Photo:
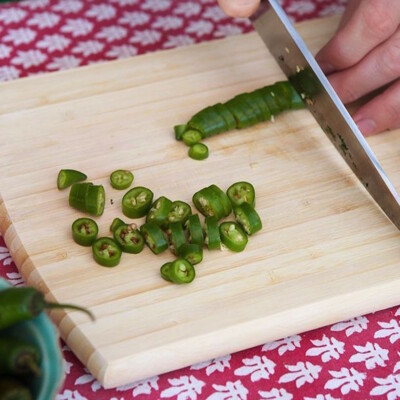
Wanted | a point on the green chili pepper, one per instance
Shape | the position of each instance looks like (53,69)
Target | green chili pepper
(24,303)
(77,195)
(233,236)
(198,151)
(224,199)
(13,389)
(121,179)
(208,122)
(191,252)
(106,252)
(18,357)
(270,100)
(137,202)
(244,115)
(208,202)
(224,112)
(154,237)
(283,94)
(258,100)
(164,271)
(179,130)
(117,222)
(159,211)
(195,230)
(296,102)
(177,236)
(181,271)
(191,137)
(129,239)
(250,106)
(179,212)
(248,218)
(66,177)
(212,235)
(241,192)
(84,231)
(95,200)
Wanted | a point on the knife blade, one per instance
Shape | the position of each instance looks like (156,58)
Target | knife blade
(301,68)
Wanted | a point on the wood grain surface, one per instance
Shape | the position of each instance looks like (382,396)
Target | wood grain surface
(326,252)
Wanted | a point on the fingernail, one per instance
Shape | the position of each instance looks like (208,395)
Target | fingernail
(326,67)
(366,126)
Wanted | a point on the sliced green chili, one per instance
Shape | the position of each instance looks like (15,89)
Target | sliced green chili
(224,199)
(233,236)
(106,252)
(18,357)
(179,130)
(248,218)
(12,389)
(137,202)
(296,102)
(66,177)
(129,239)
(179,212)
(224,112)
(191,137)
(77,195)
(117,222)
(181,271)
(198,151)
(154,237)
(84,231)
(212,235)
(159,211)
(241,192)
(283,94)
(177,236)
(208,202)
(95,200)
(195,230)
(191,252)
(121,179)
(164,271)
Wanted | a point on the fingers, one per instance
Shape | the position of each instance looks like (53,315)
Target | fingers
(371,23)
(378,68)
(381,113)
(239,8)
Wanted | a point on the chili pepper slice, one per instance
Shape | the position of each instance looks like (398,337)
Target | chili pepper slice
(117,222)
(181,271)
(208,203)
(270,100)
(212,236)
(191,252)
(12,389)
(164,271)
(177,236)
(250,105)
(129,239)
(208,122)
(233,236)
(223,111)
(19,304)
(66,177)
(179,212)
(95,200)
(106,252)
(283,94)
(244,116)
(195,230)
(159,211)
(18,357)
(248,218)
(296,102)
(258,100)
(191,137)
(224,199)
(154,237)
(84,231)
(137,202)
(179,129)
(198,151)
(77,195)
(241,192)
(121,179)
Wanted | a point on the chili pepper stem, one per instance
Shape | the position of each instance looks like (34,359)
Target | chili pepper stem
(71,307)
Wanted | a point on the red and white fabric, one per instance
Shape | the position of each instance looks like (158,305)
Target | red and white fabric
(356,359)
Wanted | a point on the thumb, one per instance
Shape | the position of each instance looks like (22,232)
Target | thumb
(239,8)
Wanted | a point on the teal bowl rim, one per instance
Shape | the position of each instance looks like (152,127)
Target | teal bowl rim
(47,338)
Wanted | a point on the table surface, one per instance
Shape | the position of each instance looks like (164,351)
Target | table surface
(352,359)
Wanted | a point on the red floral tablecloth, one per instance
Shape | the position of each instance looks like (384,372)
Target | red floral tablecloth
(356,359)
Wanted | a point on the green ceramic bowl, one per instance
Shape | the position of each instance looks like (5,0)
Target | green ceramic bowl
(41,332)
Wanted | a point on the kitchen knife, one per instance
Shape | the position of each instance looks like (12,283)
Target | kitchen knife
(301,68)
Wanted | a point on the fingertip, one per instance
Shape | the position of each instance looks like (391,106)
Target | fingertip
(239,8)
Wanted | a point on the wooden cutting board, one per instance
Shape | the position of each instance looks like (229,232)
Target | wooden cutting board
(326,252)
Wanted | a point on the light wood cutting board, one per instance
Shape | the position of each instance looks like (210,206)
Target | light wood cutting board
(326,252)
